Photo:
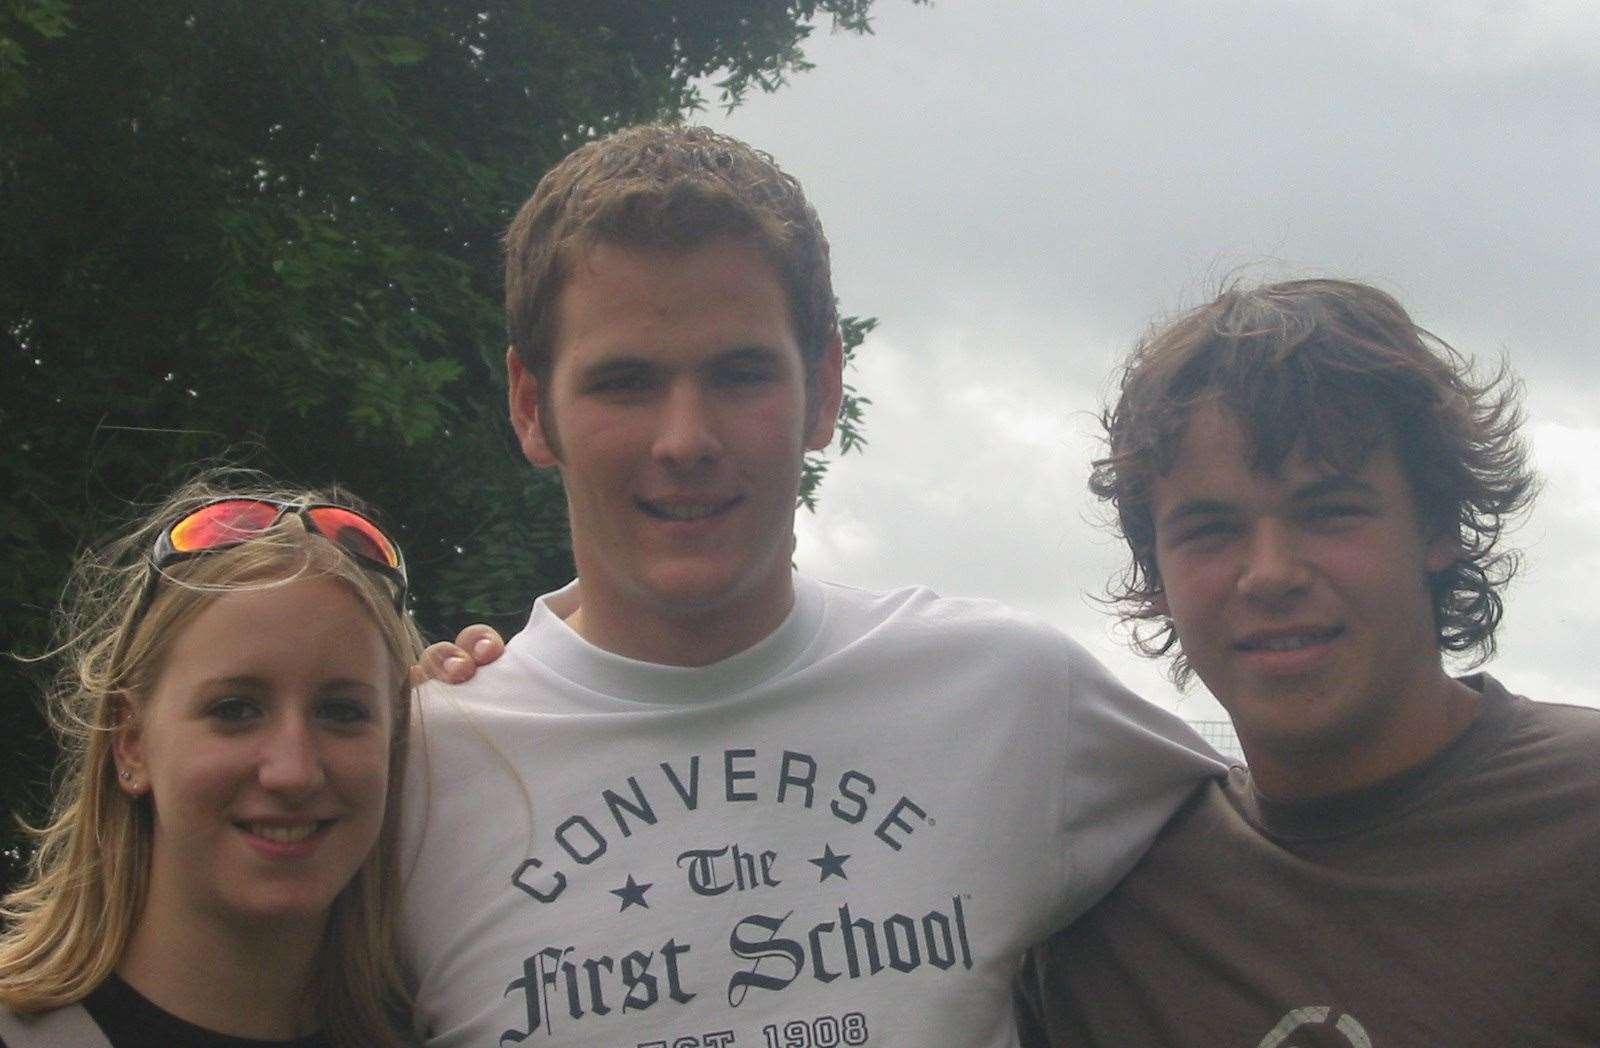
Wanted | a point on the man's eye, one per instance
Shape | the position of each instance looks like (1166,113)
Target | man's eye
(1335,511)
(744,376)
(1209,530)
(618,384)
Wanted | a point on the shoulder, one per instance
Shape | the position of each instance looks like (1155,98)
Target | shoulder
(977,647)
(1540,723)
(1554,737)
(1557,720)
(916,613)
(1532,767)
(500,686)
(71,1024)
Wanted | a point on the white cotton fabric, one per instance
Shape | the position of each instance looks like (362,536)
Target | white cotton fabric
(843,835)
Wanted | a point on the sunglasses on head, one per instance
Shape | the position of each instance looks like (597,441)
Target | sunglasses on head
(230,522)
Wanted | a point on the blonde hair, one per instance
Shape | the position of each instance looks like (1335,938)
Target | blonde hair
(71,920)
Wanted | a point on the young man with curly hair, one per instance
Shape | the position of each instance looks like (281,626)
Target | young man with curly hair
(1312,490)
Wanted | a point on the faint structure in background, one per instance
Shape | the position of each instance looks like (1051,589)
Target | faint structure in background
(1220,736)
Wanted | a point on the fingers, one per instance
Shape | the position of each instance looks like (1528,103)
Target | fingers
(455,663)
(443,661)
(484,644)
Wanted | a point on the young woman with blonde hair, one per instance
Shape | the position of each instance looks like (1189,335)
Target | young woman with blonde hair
(219,866)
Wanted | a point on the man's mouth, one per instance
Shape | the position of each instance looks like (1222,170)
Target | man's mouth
(1294,640)
(680,511)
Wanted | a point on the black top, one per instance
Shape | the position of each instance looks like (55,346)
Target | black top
(130,1020)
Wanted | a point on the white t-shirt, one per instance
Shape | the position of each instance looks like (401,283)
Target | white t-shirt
(844,835)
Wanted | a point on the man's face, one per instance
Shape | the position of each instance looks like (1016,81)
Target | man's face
(1301,600)
(678,411)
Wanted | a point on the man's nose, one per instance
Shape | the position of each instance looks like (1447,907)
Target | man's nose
(686,433)
(1273,568)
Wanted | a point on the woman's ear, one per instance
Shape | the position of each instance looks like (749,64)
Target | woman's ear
(127,748)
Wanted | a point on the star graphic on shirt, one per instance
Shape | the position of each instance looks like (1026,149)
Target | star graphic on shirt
(830,864)
(632,893)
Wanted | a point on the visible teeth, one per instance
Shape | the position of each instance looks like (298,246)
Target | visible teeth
(283,834)
(686,512)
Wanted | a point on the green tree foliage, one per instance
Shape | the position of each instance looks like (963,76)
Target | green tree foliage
(269,231)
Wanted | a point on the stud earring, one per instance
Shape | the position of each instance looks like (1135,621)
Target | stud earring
(127,776)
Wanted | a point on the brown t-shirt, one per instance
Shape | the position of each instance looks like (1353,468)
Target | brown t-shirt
(1455,906)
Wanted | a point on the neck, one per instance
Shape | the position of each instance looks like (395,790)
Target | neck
(246,982)
(1411,733)
(669,638)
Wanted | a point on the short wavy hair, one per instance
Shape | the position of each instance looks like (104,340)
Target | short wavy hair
(662,186)
(1337,368)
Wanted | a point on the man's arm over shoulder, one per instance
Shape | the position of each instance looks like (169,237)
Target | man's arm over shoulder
(1127,767)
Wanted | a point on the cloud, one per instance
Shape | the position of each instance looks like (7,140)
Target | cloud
(1548,628)
(1468,38)
(1017,189)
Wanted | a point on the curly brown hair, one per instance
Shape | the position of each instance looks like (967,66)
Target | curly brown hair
(1338,369)
(662,186)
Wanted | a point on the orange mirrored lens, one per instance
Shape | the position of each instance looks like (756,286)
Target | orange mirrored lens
(355,533)
(221,524)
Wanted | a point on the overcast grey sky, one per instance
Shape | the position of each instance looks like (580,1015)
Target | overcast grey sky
(1017,189)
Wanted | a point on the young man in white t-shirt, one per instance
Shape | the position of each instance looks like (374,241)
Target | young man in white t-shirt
(703,800)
